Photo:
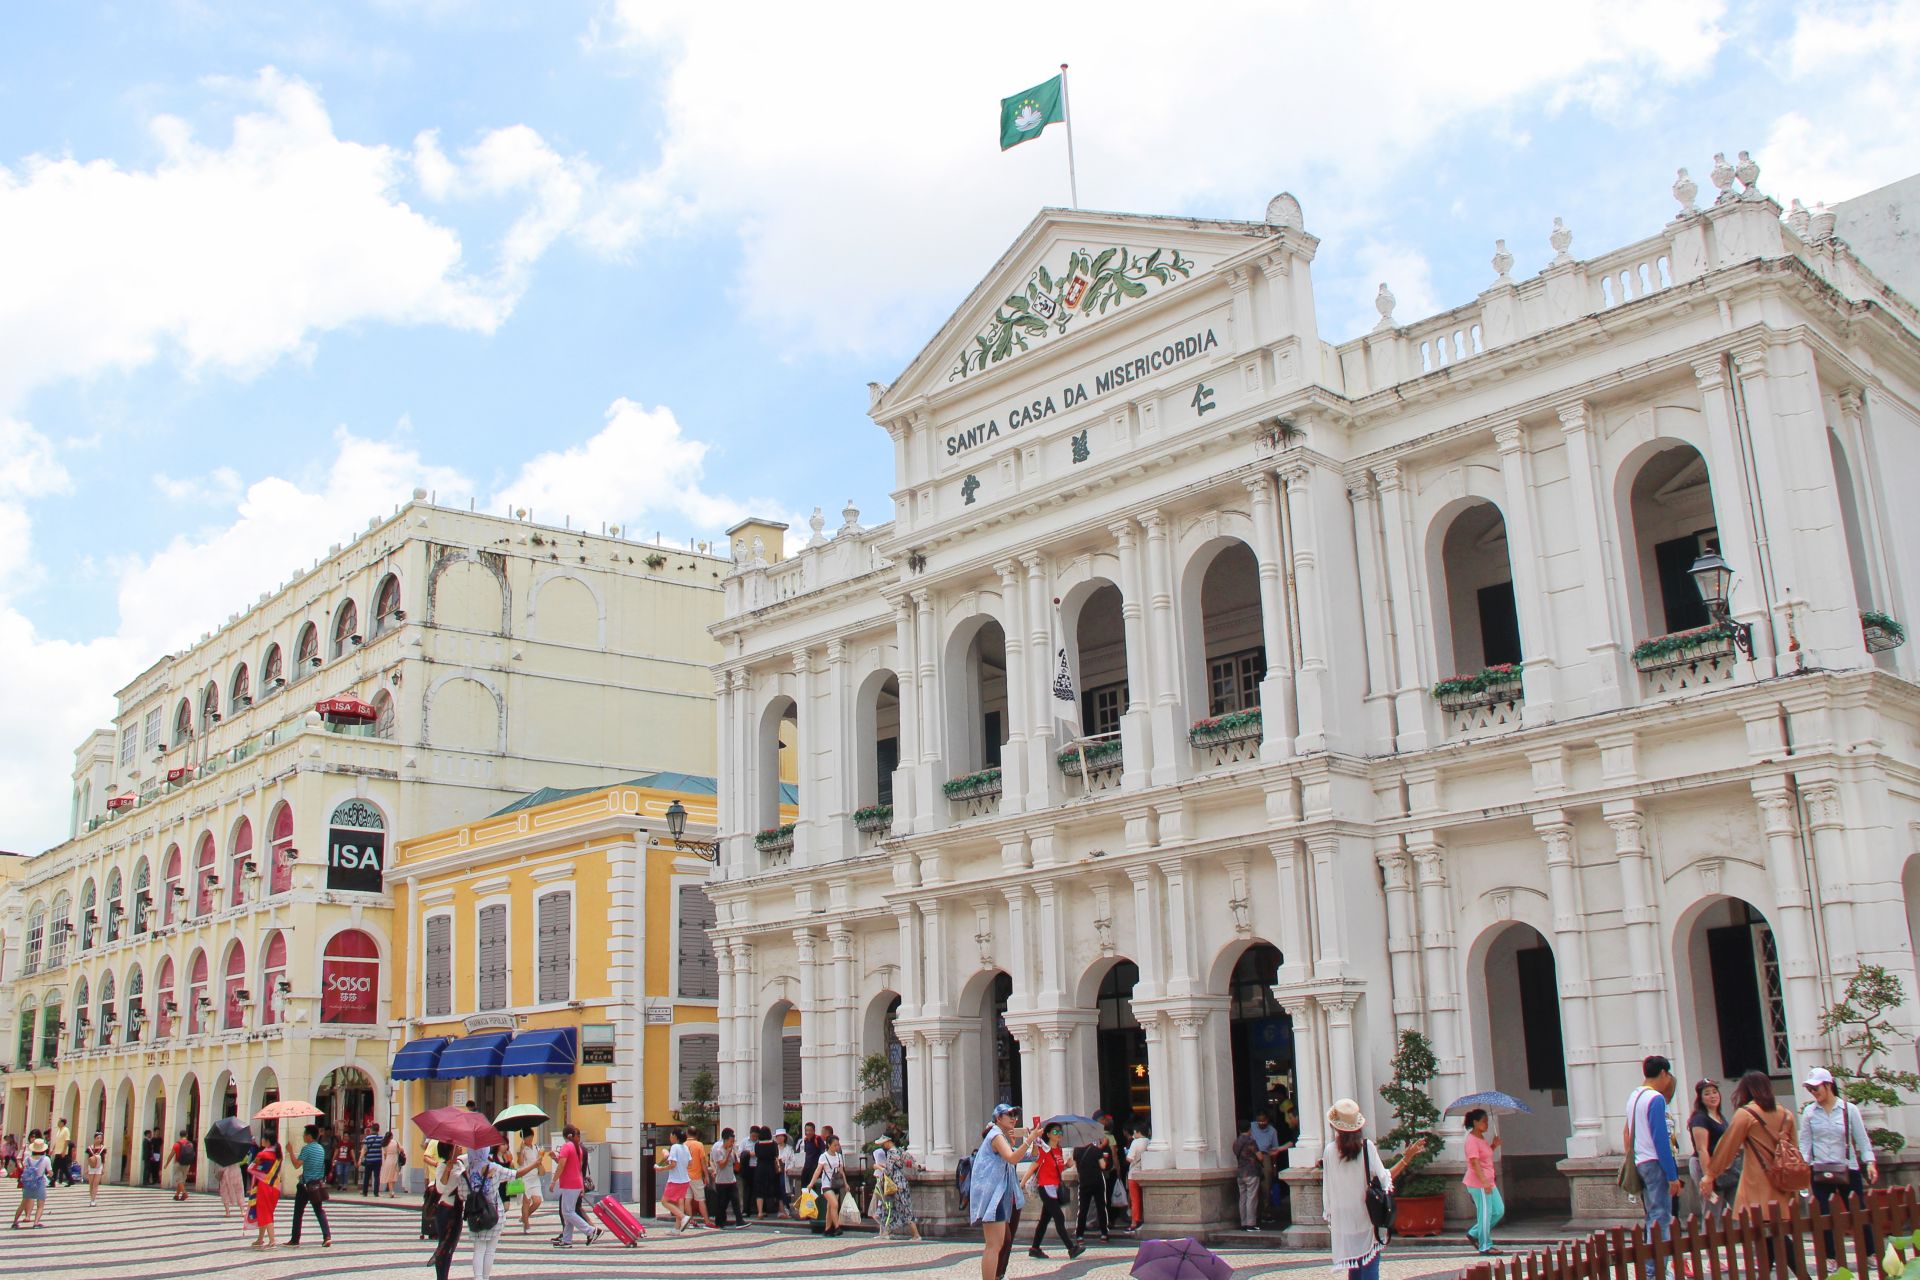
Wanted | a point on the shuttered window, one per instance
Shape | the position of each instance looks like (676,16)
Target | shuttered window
(439,966)
(697,1054)
(699,969)
(790,1070)
(492,957)
(555,959)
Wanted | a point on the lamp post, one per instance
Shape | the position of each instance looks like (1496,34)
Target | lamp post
(1713,576)
(677,828)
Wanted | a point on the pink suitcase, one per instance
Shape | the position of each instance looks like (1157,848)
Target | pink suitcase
(618,1219)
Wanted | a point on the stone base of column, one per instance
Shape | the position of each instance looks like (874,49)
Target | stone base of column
(1309,1229)
(1189,1202)
(1597,1200)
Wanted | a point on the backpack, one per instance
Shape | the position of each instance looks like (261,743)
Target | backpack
(1379,1200)
(963,1178)
(33,1178)
(1786,1169)
(479,1211)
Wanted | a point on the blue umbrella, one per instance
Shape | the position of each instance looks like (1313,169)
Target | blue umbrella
(1493,1102)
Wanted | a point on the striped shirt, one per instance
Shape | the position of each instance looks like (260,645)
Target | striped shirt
(370,1148)
(313,1163)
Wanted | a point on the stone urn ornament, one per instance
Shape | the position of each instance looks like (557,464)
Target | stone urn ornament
(1722,177)
(1821,224)
(1383,303)
(1684,190)
(1502,260)
(1560,240)
(1748,172)
(1799,219)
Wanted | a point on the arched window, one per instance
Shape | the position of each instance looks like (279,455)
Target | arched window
(81,1010)
(50,1022)
(383,714)
(164,1008)
(346,628)
(89,914)
(387,613)
(116,906)
(239,861)
(136,1007)
(104,1020)
(350,978)
(23,1047)
(36,937)
(182,723)
(272,671)
(199,1003)
(240,691)
(60,924)
(142,905)
(171,890)
(306,653)
(273,972)
(233,990)
(205,877)
(209,707)
(280,842)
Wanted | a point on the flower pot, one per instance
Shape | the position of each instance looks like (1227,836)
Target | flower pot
(1419,1215)
(1879,639)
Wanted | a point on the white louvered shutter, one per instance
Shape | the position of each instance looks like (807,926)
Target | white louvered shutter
(439,966)
(555,948)
(699,968)
(492,954)
(697,1054)
(790,1070)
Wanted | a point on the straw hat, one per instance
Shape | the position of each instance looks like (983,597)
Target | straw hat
(1345,1116)
(38,1148)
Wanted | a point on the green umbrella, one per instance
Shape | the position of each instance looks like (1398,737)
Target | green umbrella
(522,1117)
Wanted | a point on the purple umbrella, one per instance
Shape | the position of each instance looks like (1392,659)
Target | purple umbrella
(1179,1260)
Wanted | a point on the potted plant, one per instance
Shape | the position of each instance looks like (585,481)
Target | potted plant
(972,786)
(1234,726)
(874,819)
(1105,754)
(775,840)
(1683,647)
(1419,1199)
(1859,1020)
(1498,683)
(1881,630)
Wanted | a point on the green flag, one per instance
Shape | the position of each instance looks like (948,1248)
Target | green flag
(1024,115)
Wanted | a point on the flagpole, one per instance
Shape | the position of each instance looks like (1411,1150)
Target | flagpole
(1066,109)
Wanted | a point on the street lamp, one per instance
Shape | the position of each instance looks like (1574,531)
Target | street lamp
(1713,576)
(677,828)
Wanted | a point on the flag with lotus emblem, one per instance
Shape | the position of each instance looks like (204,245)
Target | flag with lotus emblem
(1024,115)
(1066,705)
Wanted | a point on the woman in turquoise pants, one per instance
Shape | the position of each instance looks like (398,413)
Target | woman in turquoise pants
(1482,1185)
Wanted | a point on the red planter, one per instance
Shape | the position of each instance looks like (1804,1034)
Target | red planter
(1419,1215)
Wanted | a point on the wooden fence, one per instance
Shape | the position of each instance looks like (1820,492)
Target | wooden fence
(1793,1243)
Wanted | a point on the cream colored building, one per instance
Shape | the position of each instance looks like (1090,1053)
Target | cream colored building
(217,930)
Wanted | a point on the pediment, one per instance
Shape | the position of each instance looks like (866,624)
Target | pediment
(1065,275)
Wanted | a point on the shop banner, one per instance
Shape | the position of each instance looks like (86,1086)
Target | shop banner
(349,989)
(355,859)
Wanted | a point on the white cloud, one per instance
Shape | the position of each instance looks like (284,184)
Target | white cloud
(219,487)
(1855,116)
(868,186)
(1403,269)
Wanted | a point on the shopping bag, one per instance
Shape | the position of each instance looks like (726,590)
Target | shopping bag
(849,1212)
(809,1205)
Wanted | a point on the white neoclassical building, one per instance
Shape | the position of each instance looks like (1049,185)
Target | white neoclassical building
(1400,704)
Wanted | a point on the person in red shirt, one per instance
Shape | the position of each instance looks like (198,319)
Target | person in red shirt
(1048,1164)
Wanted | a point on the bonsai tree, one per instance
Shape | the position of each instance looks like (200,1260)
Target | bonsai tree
(1859,1018)
(699,1107)
(881,1110)
(1414,1114)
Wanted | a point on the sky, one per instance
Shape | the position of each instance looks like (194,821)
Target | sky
(266,267)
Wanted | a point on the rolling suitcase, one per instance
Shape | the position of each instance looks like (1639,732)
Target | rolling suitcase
(619,1220)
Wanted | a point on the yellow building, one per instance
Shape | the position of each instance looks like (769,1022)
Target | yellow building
(556,953)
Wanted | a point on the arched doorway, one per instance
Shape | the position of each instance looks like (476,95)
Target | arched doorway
(123,1149)
(156,1120)
(96,1116)
(345,1097)
(1000,1068)
(1121,1048)
(977,721)
(1733,1005)
(1260,1039)
(775,765)
(190,1117)
(1670,511)
(780,1080)
(1518,1046)
(1225,632)
(882,1037)
(877,711)
(265,1091)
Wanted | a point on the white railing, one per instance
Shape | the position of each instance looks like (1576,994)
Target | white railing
(1446,339)
(1625,275)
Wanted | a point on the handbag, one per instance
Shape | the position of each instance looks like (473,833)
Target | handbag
(1379,1198)
(317,1191)
(1834,1173)
(1629,1178)
(809,1205)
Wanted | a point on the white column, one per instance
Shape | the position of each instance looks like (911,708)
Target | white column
(1313,689)
(1059,1041)
(905,667)
(1172,756)
(930,804)
(843,1080)
(1329,905)
(922,1106)
(1792,916)
(1374,613)
(839,790)
(1832,873)
(1578,1032)
(1192,1136)
(1396,872)
(1180,929)
(812,1025)
(1405,613)
(1014,764)
(1018,947)
(1136,731)
(740,855)
(1600,592)
(1523,560)
(1734,522)
(1436,950)
(1160,1082)
(1279,710)
(1031,1083)
(1642,920)
(941,1043)
(1308,1080)
(1043,782)
(1340,1046)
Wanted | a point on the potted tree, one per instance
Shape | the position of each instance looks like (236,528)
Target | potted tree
(1419,1199)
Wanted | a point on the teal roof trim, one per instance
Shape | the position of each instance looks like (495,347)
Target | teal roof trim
(692,784)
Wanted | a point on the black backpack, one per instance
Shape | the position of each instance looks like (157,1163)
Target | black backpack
(1379,1201)
(963,1179)
(480,1213)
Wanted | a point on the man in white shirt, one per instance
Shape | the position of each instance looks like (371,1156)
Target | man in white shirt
(679,1183)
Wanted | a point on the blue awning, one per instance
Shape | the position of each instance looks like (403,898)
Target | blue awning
(541,1053)
(473,1056)
(417,1058)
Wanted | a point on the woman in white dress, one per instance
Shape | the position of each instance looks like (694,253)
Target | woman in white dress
(1347,1165)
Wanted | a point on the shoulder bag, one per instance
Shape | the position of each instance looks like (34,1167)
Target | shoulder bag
(1379,1199)
(1831,1173)
(1786,1168)
(1629,1176)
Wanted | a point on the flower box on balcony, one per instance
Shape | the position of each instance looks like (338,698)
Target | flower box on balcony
(1683,647)
(874,819)
(1883,632)
(1217,731)
(775,840)
(1498,683)
(1100,756)
(973,786)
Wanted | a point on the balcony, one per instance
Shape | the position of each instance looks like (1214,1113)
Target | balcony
(1098,763)
(975,795)
(1229,739)
(1688,660)
(1486,701)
